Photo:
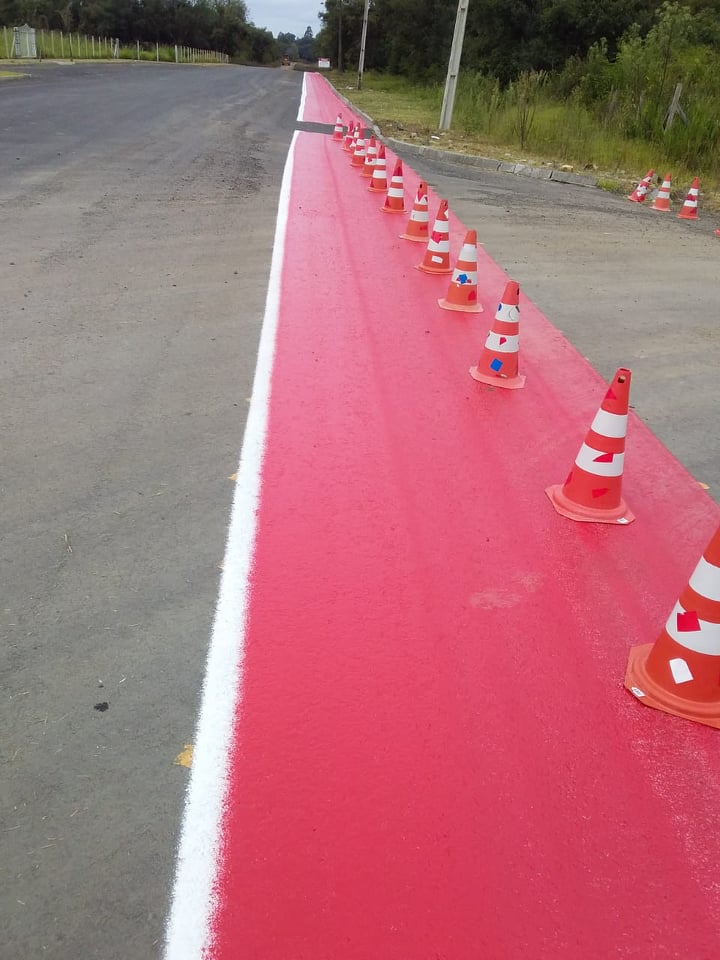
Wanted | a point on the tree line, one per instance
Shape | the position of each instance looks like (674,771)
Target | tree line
(503,37)
(203,24)
(579,78)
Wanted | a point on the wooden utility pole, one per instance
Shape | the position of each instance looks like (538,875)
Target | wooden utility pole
(454,66)
(361,65)
(339,63)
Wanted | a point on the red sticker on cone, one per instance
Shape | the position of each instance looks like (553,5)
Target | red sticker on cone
(599,491)
(688,622)
(604,458)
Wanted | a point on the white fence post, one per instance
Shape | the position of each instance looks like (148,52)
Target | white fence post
(137,47)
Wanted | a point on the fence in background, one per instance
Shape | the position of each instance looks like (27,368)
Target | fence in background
(55,44)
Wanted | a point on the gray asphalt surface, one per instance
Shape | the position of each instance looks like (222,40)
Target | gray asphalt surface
(137,207)
(137,211)
(627,285)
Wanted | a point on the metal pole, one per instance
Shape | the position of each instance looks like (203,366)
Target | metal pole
(361,64)
(453,66)
(340,6)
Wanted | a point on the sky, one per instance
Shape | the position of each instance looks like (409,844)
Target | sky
(285,16)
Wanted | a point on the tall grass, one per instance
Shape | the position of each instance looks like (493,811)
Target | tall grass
(598,111)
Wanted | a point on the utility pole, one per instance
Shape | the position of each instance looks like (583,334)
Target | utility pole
(454,66)
(340,6)
(361,65)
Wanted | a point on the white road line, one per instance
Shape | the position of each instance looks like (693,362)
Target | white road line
(188,932)
(303,97)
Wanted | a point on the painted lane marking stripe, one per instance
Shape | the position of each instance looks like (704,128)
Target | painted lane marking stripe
(303,98)
(193,900)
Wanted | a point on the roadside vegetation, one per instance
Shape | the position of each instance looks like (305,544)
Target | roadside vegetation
(220,25)
(605,108)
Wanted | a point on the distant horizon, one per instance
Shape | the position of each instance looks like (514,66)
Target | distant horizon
(285,16)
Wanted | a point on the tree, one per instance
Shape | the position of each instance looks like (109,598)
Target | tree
(306,45)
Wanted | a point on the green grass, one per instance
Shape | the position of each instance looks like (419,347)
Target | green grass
(486,120)
(51,45)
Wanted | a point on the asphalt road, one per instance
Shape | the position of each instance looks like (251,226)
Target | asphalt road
(137,210)
(628,286)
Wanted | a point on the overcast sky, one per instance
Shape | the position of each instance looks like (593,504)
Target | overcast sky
(285,16)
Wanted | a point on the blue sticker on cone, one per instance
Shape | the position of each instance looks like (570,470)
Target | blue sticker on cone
(496,364)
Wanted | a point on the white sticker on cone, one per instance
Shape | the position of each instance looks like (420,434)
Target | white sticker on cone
(680,670)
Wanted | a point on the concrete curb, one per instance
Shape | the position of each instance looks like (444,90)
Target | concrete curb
(469,160)
(486,163)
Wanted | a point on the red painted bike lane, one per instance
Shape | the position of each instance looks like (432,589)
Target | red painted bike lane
(433,755)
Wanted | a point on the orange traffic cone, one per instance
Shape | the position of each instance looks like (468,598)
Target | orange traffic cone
(662,200)
(378,184)
(417,225)
(437,255)
(462,292)
(395,199)
(680,672)
(370,157)
(593,489)
(640,192)
(498,363)
(688,211)
(350,137)
(338,131)
(717,233)
(358,157)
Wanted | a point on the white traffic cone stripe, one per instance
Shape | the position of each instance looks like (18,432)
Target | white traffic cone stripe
(499,343)
(706,580)
(587,459)
(395,191)
(419,216)
(468,254)
(696,634)
(507,313)
(610,424)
